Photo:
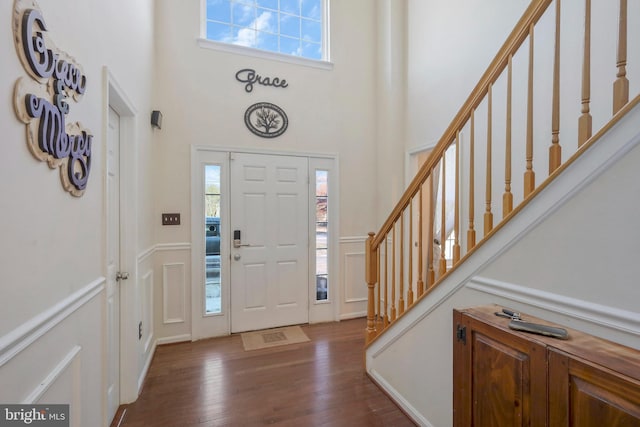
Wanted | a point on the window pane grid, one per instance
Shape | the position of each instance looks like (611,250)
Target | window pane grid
(322,235)
(292,27)
(212,196)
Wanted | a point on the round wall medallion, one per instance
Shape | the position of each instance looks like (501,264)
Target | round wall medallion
(266,120)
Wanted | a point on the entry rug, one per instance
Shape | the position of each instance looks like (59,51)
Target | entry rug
(273,338)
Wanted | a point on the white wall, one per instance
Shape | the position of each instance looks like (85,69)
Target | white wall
(391,81)
(329,111)
(587,248)
(53,244)
(450,44)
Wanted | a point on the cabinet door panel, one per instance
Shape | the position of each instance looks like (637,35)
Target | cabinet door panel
(500,384)
(497,376)
(594,396)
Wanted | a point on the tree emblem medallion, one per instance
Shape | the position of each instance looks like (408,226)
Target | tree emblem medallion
(266,120)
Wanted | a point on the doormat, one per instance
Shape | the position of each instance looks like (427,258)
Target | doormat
(273,338)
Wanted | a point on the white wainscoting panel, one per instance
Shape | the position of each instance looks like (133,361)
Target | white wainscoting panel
(173,283)
(353,287)
(20,338)
(62,385)
(44,391)
(356,287)
(146,309)
(58,357)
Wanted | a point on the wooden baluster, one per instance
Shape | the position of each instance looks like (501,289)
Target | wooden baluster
(380,323)
(471,233)
(387,317)
(420,242)
(507,197)
(621,85)
(431,274)
(555,151)
(442,268)
(371,275)
(488,215)
(585,122)
(456,212)
(529,175)
(401,276)
(393,274)
(410,281)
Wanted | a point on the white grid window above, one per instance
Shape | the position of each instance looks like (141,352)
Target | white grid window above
(290,27)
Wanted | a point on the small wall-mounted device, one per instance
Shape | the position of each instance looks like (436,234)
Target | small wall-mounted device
(156,119)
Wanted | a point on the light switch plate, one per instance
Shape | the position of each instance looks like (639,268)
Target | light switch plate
(170,219)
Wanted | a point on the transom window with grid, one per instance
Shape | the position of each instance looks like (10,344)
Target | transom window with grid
(292,27)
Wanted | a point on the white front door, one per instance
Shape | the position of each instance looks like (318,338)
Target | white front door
(270,241)
(113,265)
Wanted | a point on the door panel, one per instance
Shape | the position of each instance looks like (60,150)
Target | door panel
(269,272)
(585,394)
(113,264)
(497,376)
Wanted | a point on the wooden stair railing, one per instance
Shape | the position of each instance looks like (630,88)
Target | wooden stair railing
(397,255)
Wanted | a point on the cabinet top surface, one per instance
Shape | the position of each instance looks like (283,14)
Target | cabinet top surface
(606,353)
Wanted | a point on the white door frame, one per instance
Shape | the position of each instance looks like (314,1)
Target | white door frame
(411,165)
(116,98)
(112,150)
(318,312)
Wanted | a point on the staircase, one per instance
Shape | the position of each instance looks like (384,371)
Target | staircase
(484,222)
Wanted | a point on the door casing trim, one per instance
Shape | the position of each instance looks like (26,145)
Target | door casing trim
(196,217)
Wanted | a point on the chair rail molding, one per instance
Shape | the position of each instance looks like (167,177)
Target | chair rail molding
(26,334)
(598,314)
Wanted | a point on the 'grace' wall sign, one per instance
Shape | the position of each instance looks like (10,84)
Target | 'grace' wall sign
(41,100)
(266,120)
(250,77)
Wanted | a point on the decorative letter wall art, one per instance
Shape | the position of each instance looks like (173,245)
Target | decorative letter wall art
(250,77)
(266,120)
(41,100)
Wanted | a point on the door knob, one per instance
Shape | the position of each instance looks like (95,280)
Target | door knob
(121,276)
(237,257)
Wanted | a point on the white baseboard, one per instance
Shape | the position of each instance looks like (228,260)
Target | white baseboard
(355,315)
(173,339)
(399,400)
(598,314)
(145,368)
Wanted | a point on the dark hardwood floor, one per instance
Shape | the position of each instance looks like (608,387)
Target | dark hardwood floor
(215,382)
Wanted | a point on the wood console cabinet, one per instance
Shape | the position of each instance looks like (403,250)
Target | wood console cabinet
(503,377)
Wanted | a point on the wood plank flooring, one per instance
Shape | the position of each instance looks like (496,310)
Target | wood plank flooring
(216,383)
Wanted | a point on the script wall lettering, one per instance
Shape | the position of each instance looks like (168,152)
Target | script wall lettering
(249,77)
(42,100)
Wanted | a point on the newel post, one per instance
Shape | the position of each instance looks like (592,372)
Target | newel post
(371,275)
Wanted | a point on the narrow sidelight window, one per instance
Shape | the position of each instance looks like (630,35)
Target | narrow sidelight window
(322,209)
(212,239)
